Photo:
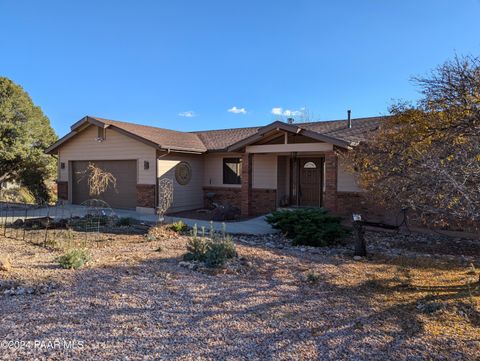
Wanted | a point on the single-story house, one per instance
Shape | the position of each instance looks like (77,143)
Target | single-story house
(256,169)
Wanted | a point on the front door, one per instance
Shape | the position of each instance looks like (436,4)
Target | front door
(310,182)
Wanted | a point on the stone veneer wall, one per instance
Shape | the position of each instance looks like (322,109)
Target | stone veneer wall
(146,195)
(62,190)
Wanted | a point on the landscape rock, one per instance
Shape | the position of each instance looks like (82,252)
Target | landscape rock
(5,264)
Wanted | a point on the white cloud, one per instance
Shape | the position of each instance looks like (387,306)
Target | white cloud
(236,110)
(277,111)
(189,114)
(287,112)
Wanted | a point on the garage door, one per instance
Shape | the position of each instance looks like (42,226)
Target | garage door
(124,195)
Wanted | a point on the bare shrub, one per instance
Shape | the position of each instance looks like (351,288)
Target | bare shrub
(98,179)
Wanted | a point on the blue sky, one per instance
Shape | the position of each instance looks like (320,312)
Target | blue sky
(153,62)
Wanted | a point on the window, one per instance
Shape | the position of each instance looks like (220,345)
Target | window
(310,165)
(232,170)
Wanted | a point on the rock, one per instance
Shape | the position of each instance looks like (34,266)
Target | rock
(5,264)
(18,223)
(357,258)
(20,291)
(189,265)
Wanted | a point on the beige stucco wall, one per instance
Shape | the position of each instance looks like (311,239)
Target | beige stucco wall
(116,146)
(264,171)
(189,196)
(213,171)
(346,181)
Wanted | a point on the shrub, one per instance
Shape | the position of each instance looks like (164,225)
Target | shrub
(124,221)
(308,226)
(196,249)
(219,251)
(179,227)
(312,276)
(73,259)
(214,252)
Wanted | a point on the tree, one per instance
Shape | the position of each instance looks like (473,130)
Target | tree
(25,132)
(427,156)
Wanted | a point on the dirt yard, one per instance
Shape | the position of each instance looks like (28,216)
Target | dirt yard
(414,298)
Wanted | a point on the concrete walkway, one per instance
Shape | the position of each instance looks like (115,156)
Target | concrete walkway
(256,226)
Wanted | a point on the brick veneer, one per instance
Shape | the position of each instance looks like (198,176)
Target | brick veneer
(330,200)
(62,190)
(223,196)
(146,195)
(263,201)
(246,192)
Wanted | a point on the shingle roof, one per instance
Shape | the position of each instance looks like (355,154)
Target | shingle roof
(361,130)
(216,140)
(220,140)
(165,138)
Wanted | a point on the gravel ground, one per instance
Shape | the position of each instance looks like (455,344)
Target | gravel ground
(404,302)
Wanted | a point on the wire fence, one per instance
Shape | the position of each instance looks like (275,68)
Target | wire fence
(49,225)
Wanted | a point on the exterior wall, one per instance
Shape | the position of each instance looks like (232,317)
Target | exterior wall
(283,179)
(263,201)
(146,195)
(264,171)
(213,169)
(346,180)
(223,196)
(116,146)
(62,190)
(189,196)
(331,173)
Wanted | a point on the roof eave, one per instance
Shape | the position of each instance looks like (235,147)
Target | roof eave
(277,125)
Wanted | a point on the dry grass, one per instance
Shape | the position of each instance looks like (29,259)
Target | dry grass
(134,301)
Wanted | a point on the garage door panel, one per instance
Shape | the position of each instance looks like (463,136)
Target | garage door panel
(123,195)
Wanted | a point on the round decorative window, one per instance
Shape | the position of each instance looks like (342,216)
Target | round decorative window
(310,165)
(183,173)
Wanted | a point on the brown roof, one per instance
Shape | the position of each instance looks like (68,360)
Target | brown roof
(361,130)
(164,138)
(220,140)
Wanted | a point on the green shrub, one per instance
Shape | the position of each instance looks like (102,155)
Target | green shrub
(196,249)
(214,252)
(308,226)
(219,251)
(124,221)
(179,227)
(73,259)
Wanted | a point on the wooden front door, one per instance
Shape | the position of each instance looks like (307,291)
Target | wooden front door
(310,182)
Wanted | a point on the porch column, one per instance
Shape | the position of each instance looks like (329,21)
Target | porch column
(331,160)
(246,192)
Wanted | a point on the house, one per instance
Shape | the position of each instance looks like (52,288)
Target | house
(256,169)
